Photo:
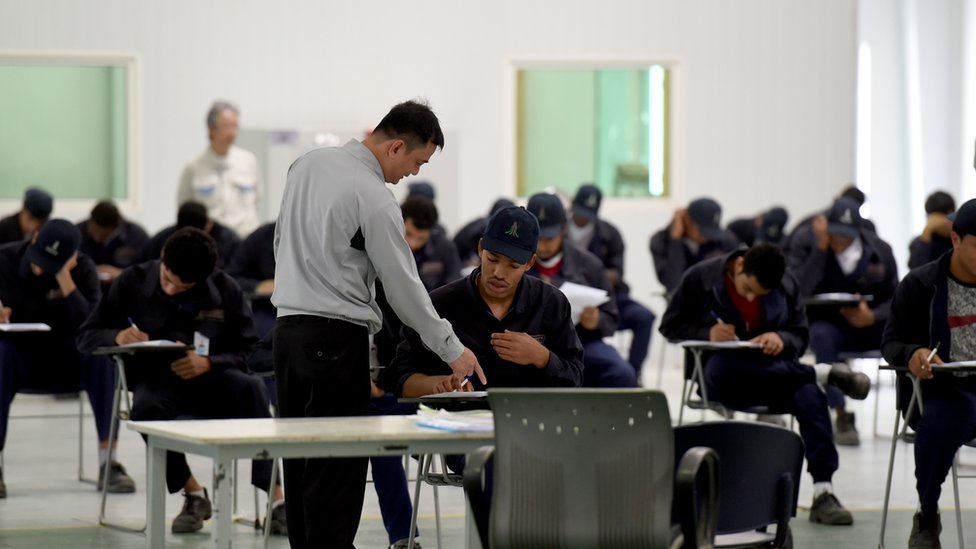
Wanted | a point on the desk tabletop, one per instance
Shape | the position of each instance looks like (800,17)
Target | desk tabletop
(300,430)
(718,345)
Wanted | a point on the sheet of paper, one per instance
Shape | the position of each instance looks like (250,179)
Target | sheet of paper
(458,395)
(581,297)
(479,420)
(153,343)
(959,364)
(839,297)
(721,344)
(24,327)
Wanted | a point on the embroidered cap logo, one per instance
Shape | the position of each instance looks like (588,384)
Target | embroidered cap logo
(847,218)
(513,230)
(591,201)
(53,248)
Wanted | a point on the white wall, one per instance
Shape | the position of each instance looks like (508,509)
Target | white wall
(763,97)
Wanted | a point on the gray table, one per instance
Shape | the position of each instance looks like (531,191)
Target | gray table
(229,439)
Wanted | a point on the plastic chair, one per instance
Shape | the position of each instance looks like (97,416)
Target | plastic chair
(760,466)
(588,468)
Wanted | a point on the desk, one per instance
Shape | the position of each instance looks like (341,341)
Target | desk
(229,439)
(696,348)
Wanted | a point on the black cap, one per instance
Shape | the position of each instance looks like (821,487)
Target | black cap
(57,241)
(421,188)
(587,201)
(549,210)
(843,218)
(773,223)
(964,222)
(499,204)
(512,232)
(38,203)
(707,215)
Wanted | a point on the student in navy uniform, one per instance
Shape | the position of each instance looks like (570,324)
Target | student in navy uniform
(22,225)
(253,267)
(758,301)
(424,189)
(850,192)
(836,253)
(518,326)
(467,238)
(935,239)
(194,214)
(559,261)
(694,234)
(765,227)
(176,298)
(934,308)
(603,240)
(435,254)
(111,241)
(49,281)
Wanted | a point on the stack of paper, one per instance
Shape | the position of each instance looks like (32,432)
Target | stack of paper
(24,327)
(581,297)
(475,420)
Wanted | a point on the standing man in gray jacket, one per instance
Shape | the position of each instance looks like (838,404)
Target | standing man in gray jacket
(339,229)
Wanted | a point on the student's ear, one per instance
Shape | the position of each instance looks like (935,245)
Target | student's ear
(480,249)
(737,264)
(531,262)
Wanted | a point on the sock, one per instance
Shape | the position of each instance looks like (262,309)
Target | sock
(198,493)
(821,487)
(277,504)
(823,372)
(102,455)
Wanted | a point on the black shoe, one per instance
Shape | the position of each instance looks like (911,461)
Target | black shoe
(853,384)
(826,509)
(925,532)
(404,543)
(119,482)
(279,523)
(3,487)
(196,509)
(845,430)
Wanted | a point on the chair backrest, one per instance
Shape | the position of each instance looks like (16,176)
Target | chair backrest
(760,466)
(581,468)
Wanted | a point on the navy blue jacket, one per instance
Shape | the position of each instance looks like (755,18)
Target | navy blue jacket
(467,238)
(919,314)
(920,253)
(437,261)
(608,246)
(673,257)
(226,240)
(123,249)
(254,260)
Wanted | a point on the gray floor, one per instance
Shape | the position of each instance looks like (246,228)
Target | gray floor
(48,507)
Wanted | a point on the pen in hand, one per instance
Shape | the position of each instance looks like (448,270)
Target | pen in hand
(718,319)
(928,359)
(133,324)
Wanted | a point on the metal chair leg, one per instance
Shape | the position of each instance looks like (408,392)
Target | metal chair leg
(121,391)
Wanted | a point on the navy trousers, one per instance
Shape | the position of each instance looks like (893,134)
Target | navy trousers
(785,386)
(639,320)
(51,366)
(828,339)
(948,421)
(604,367)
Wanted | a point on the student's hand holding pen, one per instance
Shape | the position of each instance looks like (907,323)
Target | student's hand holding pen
(922,360)
(132,334)
(5,313)
(720,331)
(450,384)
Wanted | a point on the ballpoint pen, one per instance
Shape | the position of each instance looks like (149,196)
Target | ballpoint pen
(718,319)
(929,358)
(133,324)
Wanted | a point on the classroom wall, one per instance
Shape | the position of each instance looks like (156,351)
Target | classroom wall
(764,90)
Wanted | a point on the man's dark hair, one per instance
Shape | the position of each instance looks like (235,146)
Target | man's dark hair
(413,122)
(940,202)
(192,214)
(105,214)
(765,262)
(421,211)
(190,254)
(855,194)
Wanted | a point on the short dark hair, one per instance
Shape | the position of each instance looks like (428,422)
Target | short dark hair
(190,254)
(765,262)
(192,214)
(421,211)
(855,194)
(414,122)
(940,202)
(106,214)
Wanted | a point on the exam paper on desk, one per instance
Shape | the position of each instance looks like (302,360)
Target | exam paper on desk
(472,420)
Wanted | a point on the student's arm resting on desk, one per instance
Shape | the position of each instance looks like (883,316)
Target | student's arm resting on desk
(685,317)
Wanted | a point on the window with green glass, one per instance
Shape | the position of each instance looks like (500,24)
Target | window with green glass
(602,126)
(64,128)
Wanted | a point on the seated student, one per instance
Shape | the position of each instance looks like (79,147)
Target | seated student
(694,234)
(47,280)
(178,298)
(850,192)
(934,240)
(424,189)
(518,326)
(467,238)
(836,253)
(934,310)
(37,207)
(435,254)
(253,267)
(597,235)
(111,241)
(194,214)
(758,301)
(765,227)
(559,261)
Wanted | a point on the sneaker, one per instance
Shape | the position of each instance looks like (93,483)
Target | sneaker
(3,487)
(196,509)
(119,482)
(853,384)
(845,430)
(405,543)
(925,532)
(279,524)
(826,509)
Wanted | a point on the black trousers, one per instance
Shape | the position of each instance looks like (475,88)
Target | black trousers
(322,369)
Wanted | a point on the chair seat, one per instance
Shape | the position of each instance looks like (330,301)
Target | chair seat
(743,539)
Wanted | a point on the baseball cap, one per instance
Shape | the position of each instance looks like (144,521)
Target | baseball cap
(707,215)
(421,188)
(587,201)
(773,222)
(549,210)
(964,222)
(843,218)
(57,241)
(499,204)
(512,232)
(38,202)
